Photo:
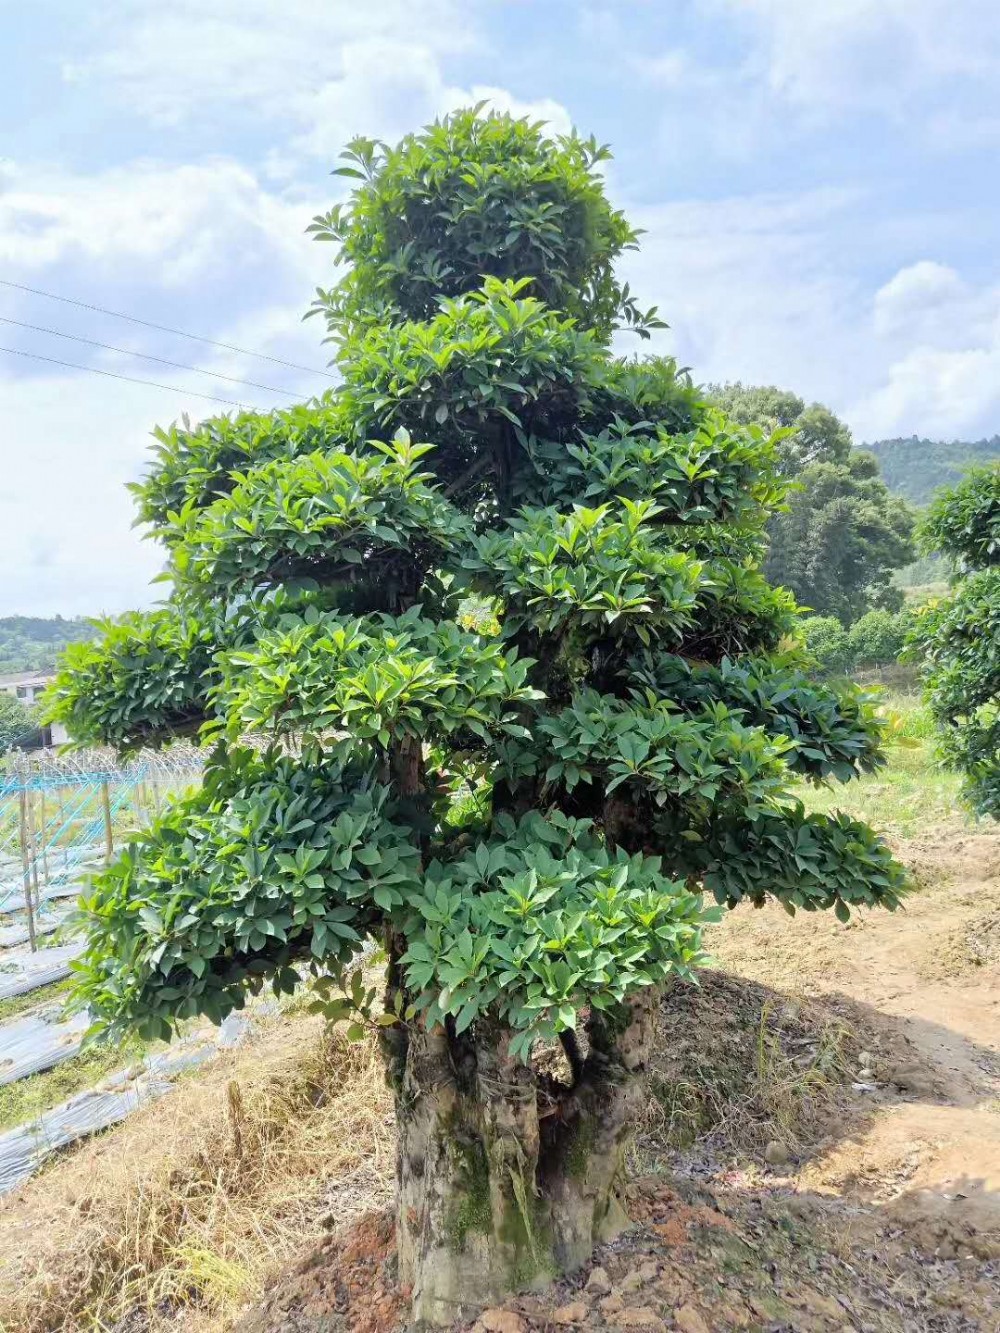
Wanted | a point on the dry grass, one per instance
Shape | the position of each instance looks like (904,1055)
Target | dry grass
(190,1205)
(737,1067)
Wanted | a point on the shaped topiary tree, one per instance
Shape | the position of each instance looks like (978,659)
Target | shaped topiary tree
(959,635)
(524,813)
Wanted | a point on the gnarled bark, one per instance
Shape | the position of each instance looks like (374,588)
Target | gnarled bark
(505,1177)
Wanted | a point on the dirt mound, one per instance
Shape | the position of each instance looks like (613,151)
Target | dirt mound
(347,1282)
(696,1260)
(739,1064)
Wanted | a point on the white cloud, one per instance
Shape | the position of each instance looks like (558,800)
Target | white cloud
(739,283)
(941,339)
(855,53)
(388,89)
(204,248)
(319,71)
(764,289)
(159,242)
(177,61)
(65,540)
(957,131)
(183,219)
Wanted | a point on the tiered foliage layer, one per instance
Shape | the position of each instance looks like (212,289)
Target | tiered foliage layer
(525,812)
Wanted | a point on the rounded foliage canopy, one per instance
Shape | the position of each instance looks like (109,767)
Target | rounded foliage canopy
(479,641)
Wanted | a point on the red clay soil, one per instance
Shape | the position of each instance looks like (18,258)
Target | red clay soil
(697,1260)
(345,1282)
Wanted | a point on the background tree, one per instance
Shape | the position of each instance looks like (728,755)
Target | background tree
(17,721)
(916,468)
(960,634)
(827,644)
(523,817)
(842,534)
(33,643)
(815,435)
(879,637)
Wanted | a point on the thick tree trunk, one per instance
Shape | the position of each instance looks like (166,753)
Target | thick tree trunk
(507,1178)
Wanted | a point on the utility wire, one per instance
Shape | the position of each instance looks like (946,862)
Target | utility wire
(146,356)
(162,328)
(131,379)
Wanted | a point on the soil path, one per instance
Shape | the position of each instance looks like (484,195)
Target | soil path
(929,980)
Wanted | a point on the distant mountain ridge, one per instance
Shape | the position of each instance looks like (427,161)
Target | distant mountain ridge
(915,468)
(32,643)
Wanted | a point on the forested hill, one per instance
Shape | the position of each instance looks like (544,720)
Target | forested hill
(32,643)
(915,468)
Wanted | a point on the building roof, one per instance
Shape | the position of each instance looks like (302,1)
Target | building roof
(27,678)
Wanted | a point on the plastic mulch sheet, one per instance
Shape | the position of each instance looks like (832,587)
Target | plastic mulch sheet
(39,1041)
(46,922)
(23,1150)
(22,971)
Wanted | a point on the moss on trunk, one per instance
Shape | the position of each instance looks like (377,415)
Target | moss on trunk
(507,1178)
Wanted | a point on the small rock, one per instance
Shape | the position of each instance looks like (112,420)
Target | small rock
(689,1320)
(599,1281)
(866,1059)
(640,1317)
(866,1075)
(649,1270)
(501,1321)
(611,1304)
(631,1282)
(776,1153)
(574,1313)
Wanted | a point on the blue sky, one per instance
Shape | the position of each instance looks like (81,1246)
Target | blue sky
(818,180)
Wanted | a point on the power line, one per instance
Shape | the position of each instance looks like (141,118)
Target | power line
(163,328)
(146,356)
(131,379)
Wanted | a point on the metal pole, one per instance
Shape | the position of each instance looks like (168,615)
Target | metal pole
(109,841)
(23,802)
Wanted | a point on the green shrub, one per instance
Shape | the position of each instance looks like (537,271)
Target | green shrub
(827,643)
(879,637)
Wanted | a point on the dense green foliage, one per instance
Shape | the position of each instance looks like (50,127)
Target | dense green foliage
(960,635)
(484,195)
(525,810)
(878,638)
(965,523)
(17,721)
(915,468)
(842,534)
(826,641)
(33,643)
(814,433)
(840,540)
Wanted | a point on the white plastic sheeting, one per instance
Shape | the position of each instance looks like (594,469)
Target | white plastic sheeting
(39,1041)
(22,971)
(23,1150)
(47,920)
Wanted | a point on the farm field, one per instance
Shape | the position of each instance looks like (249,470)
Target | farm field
(820,1150)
